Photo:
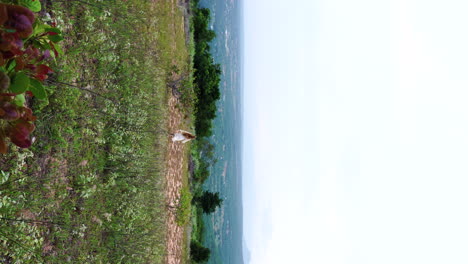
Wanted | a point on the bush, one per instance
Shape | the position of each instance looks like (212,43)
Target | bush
(199,253)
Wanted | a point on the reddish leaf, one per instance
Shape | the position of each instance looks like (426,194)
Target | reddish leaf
(42,71)
(2,61)
(27,114)
(32,67)
(10,112)
(3,145)
(32,53)
(22,142)
(16,51)
(8,41)
(19,18)
(19,134)
(40,77)
(7,54)
(19,64)
(3,14)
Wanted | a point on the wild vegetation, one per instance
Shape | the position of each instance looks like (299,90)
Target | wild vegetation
(89,189)
(84,182)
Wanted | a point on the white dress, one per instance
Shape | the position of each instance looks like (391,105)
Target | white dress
(178,136)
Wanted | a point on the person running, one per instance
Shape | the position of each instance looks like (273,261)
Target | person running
(182,136)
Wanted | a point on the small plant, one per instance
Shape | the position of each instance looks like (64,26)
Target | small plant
(4,176)
(26,47)
(184,208)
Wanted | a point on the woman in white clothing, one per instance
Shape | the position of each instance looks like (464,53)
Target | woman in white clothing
(183,136)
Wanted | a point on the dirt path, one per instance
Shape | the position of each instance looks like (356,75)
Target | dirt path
(174,174)
(174,29)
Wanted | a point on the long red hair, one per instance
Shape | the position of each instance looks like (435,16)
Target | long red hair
(188,135)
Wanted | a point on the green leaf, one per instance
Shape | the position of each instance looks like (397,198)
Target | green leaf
(19,100)
(4,176)
(34,5)
(37,89)
(41,45)
(39,28)
(53,29)
(47,45)
(55,38)
(11,65)
(58,49)
(20,83)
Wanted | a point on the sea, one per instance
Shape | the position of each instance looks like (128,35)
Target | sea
(224,227)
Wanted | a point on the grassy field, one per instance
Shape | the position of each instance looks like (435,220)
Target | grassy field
(89,190)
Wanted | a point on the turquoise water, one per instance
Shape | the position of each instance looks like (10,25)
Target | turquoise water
(224,227)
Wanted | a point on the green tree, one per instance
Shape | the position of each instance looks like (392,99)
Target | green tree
(208,201)
(199,253)
(207,75)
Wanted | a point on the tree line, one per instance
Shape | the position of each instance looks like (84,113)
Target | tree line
(207,73)
(207,77)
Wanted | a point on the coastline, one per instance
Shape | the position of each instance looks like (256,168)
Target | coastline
(224,227)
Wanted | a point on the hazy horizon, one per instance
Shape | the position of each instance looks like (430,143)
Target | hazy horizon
(223,228)
(355,131)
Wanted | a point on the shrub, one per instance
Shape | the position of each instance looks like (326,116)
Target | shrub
(198,252)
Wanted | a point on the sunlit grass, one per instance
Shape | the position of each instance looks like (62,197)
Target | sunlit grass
(90,188)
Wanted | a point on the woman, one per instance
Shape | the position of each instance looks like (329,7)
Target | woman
(182,135)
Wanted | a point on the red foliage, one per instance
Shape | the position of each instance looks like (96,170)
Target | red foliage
(16,25)
(41,72)
(19,127)
(17,18)
(19,133)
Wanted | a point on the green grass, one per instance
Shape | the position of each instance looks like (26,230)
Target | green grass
(184,208)
(90,188)
(198,226)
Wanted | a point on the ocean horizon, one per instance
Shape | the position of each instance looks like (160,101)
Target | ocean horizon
(224,228)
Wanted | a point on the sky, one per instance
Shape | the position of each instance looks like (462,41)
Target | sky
(355,131)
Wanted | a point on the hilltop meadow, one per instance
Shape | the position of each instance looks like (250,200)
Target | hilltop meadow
(89,92)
